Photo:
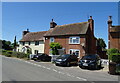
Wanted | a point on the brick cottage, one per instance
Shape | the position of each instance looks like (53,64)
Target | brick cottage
(75,38)
(113,35)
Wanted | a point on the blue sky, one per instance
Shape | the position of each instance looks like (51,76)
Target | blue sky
(36,16)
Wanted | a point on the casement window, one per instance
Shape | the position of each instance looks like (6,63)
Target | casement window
(23,43)
(36,42)
(74,51)
(29,43)
(36,52)
(51,39)
(74,40)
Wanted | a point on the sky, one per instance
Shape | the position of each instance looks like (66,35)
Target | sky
(36,16)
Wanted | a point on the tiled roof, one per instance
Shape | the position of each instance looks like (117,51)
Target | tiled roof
(33,36)
(68,29)
(115,29)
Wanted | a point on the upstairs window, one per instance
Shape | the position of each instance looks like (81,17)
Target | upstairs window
(74,40)
(23,43)
(29,43)
(36,42)
(51,39)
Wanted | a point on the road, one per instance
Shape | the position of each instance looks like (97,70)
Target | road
(20,70)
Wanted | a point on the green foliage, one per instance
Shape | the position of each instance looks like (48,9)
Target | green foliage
(14,54)
(55,46)
(112,51)
(6,45)
(19,55)
(116,57)
(101,43)
(113,54)
(8,53)
(14,44)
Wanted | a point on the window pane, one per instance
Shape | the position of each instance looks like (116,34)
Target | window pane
(74,40)
(29,43)
(37,43)
(77,53)
(51,39)
(70,40)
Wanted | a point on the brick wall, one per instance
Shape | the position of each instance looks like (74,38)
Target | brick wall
(64,42)
(115,40)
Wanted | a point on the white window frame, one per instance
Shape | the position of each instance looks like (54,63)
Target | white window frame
(52,38)
(73,38)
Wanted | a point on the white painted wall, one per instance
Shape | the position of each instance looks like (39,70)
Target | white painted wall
(34,47)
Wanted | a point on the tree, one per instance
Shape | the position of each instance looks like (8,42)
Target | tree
(14,44)
(55,46)
(6,45)
(101,43)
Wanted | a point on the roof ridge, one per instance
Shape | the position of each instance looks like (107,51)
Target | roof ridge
(70,24)
(38,32)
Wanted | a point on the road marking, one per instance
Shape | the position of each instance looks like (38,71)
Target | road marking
(81,78)
(39,65)
(43,66)
(60,72)
(48,68)
(55,70)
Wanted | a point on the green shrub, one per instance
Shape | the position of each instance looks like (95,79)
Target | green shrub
(19,55)
(55,46)
(111,52)
(4,52)
(116,57)
(8,53)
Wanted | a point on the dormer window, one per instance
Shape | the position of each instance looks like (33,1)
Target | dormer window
(74,40)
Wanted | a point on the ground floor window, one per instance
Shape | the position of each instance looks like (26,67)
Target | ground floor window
(74,51)
(36,51)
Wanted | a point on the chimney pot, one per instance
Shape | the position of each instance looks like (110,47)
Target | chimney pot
(52,24)
(52,20)
(110,17)
(90,17)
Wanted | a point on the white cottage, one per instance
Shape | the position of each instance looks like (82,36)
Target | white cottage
(32,41)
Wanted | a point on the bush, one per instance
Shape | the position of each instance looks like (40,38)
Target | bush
(111,52)
(116,57)
(19,55)
(8,53)
(4,52)
(55,46)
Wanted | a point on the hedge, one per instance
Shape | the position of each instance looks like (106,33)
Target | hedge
(14,54)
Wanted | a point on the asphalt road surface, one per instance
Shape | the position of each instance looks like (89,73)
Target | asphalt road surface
(20,70)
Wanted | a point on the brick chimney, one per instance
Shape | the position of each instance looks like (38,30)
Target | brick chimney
(109,25)
(110,21)
(52,24)
(25,32)
(91,24)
